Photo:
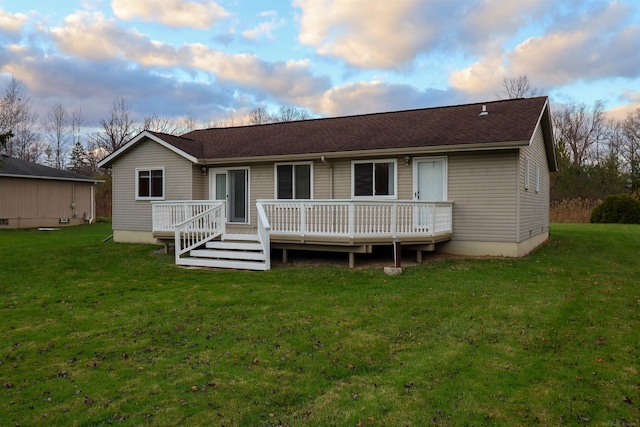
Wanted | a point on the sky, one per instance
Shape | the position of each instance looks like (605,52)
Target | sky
(217,60)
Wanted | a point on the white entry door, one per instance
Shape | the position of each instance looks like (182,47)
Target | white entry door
(430,179)
(430,185)
(232,186)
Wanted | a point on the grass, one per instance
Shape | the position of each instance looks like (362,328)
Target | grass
(102,333)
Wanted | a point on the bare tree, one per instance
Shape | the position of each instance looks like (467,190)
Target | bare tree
(290,114)
(160,124)
(259,116)
(582,131)
(58,128)
(187,124)
(117,129)
(18,124)
(519,87)
(78,120)
(630,147)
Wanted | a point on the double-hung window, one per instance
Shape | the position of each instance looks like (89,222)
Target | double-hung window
(377,178)
(293,181)
(150,184)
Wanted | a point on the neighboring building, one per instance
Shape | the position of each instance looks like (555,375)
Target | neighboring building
(472,179)
(33,195)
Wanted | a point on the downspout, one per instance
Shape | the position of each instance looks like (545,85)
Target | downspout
(93,203)
(330,176)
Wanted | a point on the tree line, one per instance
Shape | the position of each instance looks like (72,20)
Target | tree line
(597,154)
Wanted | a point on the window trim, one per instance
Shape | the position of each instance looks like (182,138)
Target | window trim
(526,173)
(293,164)
(137,183)
(537,177)
(393,196)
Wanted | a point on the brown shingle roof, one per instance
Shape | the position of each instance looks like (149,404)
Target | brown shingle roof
(507,121)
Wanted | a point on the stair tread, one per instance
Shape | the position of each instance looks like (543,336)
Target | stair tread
(215,263)
(240,237)
(240,255)
(246,246)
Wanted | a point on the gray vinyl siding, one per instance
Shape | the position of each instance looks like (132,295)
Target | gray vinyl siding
(261,186)
(534,205)
(135,215)
(200,183)
(483,189)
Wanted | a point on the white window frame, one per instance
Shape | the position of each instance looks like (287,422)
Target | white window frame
(293,164)
(373,196)
(137,182)
(526,173)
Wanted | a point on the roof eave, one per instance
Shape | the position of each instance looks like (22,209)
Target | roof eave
(144,134)
(370,153)
(544,120)
(52,178)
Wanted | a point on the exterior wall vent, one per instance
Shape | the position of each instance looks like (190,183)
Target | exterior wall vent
(64,220)
(484,111)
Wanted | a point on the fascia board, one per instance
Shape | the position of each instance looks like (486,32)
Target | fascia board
(120,151)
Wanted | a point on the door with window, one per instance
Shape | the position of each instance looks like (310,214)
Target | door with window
(430,184)
(232,186)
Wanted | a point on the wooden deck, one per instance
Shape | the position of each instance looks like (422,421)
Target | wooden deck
(311,225)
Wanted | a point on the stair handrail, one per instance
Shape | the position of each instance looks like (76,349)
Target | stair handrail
(199,229)
(264,231)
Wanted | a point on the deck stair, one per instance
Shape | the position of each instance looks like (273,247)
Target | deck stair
(237,251)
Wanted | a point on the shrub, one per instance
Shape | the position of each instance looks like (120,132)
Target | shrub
(618,208)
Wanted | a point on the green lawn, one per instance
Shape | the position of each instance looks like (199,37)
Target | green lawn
(103,333)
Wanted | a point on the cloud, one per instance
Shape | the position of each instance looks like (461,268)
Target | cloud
(390,35)
(596,44)
(173,13)
(369,97)
(289,81)
(12,24)
(93,86)
(264,29)
(632,103)
(366,34)
(91,36)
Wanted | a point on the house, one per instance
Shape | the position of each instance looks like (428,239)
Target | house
(468,179)
(33,195)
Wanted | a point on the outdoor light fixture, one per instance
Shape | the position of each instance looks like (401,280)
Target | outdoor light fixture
(204,170)
(407,160)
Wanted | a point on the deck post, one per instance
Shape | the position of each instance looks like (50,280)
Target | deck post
(352,259)
(397,252)
(285,256)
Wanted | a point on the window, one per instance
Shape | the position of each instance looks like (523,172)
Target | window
(293,181)
(150,184)
(4,221)
(374,179)
(526,174)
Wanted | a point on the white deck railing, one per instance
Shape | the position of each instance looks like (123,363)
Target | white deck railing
(348,218)
(166,214)
(264,231)
(199,229)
